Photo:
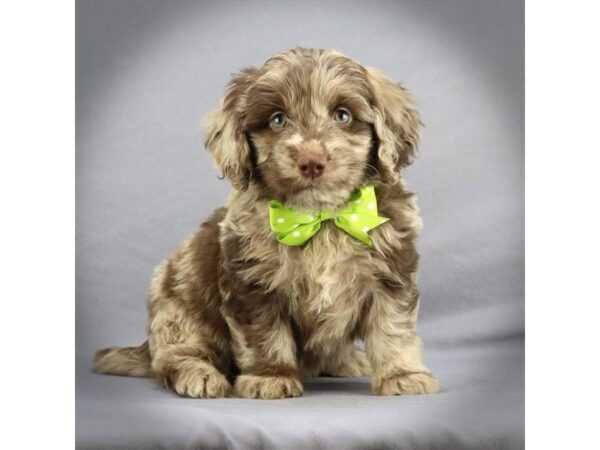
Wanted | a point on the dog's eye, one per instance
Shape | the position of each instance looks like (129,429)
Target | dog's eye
(342,115)
(277,120)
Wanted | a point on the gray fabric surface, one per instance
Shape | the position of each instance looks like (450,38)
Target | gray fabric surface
(480,407)
(148,71)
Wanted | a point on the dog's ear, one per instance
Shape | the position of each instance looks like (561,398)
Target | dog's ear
(226,138)
(396,122)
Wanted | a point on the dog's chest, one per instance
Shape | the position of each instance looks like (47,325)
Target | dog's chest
(326,281)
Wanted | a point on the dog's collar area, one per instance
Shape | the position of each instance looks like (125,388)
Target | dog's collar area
(357,218)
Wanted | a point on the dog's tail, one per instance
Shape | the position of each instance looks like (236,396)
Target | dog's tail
(128,361)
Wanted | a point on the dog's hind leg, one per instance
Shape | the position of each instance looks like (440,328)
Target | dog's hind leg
(189,340)
(188,344)
(185,369)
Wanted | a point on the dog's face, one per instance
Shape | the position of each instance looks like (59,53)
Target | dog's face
(311,126)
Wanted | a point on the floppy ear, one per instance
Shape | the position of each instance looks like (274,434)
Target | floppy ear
(226,138)
(397,125)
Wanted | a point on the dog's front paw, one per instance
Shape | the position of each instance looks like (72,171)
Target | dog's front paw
(201,383)
(267,387)
(407,383)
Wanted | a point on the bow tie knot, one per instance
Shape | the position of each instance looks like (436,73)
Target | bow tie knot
(357,218)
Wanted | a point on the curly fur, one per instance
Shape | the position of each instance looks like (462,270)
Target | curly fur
(232,305)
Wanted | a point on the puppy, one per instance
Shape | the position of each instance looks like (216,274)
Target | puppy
(240,307)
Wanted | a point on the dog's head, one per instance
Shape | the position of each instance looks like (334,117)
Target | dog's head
(310,126)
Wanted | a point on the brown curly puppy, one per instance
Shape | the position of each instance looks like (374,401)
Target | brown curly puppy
(233,304)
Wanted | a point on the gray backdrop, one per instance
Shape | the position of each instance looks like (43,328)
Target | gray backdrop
(148,71)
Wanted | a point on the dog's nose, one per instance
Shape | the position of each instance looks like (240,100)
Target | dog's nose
(312,166)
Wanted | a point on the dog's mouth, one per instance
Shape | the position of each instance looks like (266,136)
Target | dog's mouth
(298,184)
(318,194)
(315,199)
(310,183)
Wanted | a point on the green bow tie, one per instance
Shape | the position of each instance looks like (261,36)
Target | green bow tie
(357,218)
